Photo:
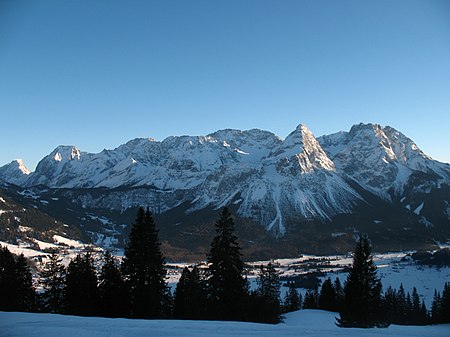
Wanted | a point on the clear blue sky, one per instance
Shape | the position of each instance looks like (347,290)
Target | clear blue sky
(96,74)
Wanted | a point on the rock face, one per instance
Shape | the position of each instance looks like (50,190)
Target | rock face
(273,182)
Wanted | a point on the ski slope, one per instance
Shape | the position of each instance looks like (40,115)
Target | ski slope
(305,323)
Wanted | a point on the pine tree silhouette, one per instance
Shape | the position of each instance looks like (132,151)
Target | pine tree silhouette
(227,286)
(53,275)
(436,308)
(292,300)
(311,299)
(16,288)
(113,296)
(269,292)
(143,269)
(8,282)
(327,297)
(362,291)
(445,304)
(26,294)
(190,295)
(81,292)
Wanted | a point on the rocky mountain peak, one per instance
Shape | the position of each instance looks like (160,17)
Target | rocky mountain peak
(302,147)
(16,171)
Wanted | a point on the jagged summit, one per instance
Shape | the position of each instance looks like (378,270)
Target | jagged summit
(380,158)
(21,166)
(16,172)
(302,145)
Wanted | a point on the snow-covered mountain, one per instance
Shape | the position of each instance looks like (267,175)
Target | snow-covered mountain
(15,172)
(270,179)
(381,159)
(279,184)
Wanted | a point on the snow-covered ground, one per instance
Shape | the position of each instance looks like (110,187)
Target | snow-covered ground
(306,323)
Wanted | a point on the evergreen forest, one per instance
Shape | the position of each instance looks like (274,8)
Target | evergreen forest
(136,286)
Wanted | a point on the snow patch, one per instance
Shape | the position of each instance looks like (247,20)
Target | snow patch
(69,242)
(426,222)
(338,234)
(418,209)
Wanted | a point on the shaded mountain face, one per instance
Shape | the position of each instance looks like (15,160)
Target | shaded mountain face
(300,189)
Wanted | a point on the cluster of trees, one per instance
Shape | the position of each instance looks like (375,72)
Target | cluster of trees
(440,309)
(329,297)
(404,309)
(363,304)
(221,292)
(137,286)
(16,283)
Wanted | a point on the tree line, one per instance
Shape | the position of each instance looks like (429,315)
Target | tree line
(137,287)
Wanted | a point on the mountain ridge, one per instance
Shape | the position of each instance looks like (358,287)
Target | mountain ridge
(275,183)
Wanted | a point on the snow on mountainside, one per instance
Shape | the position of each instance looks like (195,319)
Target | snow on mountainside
(275,179)
(15,172)
(382,159)
(272,181)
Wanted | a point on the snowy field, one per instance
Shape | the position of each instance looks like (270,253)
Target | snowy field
(305,323)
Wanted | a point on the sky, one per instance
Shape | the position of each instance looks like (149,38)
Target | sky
(96,74)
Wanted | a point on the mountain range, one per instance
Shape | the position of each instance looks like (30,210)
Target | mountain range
(300,194)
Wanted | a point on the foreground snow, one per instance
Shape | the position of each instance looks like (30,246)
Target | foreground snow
(301,323)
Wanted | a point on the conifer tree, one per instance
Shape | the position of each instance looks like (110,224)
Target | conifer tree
(26,294)
(269,292)
(227,285)
(445,304)
(327,297)
(339,293)
(400,306)
(436,308)
(16,285)
(424,316)
(390,305)
(311,299)
(113,296)
(408,309)
(81,292)
(362,291)
(440,309)
(8,281)
(190,295)
(143,269)
(292,300)
(181,302)
(416,311)
(53,275)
